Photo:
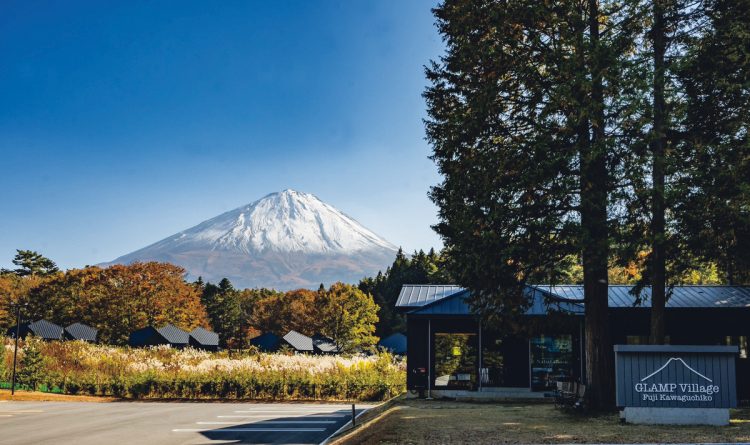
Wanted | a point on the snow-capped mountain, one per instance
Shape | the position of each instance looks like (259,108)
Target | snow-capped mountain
(284,240)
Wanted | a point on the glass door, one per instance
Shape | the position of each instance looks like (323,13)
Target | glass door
(455,360)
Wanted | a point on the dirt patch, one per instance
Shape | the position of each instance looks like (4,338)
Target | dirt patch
(440,422)
(31,396)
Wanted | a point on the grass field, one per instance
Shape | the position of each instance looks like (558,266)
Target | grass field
(443,422)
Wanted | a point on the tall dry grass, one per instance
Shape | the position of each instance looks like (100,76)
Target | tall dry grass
(163,372)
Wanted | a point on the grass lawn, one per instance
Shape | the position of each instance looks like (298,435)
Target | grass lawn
(438,422)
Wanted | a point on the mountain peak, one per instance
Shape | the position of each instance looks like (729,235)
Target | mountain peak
(281,225)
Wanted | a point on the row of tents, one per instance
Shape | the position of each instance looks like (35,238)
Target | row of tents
(318,344)
(149,336)
(46,330)
(199,338)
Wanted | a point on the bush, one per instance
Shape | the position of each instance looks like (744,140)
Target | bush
(162,372)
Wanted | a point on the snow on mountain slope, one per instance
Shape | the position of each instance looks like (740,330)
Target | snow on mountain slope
(284,240)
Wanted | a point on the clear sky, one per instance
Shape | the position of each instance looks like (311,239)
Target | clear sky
(122,123)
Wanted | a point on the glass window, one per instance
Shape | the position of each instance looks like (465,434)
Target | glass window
(740,341)
(493,358)
(551,360)
(455,360)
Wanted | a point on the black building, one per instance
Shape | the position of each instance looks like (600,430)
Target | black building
(394,343)
(80,331)
(43,329)
(165,335)
(450,353)
(267,342)
(204,339)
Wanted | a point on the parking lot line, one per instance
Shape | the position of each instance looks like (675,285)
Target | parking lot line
(288,412)
(273,416)
(249,430)
(268,422)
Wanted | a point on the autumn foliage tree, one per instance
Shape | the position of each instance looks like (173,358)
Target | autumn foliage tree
(342,312)
(118,300)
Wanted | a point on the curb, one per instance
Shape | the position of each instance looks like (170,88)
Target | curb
(342,432)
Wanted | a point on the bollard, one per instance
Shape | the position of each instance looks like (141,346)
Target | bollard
(354,417)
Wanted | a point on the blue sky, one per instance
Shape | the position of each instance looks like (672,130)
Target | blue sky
(124,122)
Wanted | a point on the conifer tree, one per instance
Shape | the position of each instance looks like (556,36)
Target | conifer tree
(30,262)
(521,110)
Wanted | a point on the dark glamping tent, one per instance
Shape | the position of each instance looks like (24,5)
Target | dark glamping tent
(204,339)
(165,335)
(43,329)
(267,342)
(299,342)
(394,343)
(80,331)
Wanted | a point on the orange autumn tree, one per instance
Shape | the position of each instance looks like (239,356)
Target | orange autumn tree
(119,299)
(14,289)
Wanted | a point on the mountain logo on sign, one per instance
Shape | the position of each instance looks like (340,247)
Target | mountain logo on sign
(676,359)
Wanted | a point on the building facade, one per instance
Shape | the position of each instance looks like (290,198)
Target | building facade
(450,353)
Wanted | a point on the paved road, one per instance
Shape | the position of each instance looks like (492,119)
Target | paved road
(82,423)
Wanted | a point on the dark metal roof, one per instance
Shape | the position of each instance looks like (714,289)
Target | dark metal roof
(416,295)
(174,335)
(46,330)
(80,331)
(324,344)
(205,337)
(268,342)
(681,296)
(542,303)
(396,343)
(569,298)
(299,342)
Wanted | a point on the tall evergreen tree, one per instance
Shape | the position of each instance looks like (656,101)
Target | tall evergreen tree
(521,110)
(713,213)
(224,311)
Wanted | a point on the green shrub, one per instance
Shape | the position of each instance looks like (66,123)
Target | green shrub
(32,370)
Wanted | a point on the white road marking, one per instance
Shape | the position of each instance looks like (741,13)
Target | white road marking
(249,430)
(268,422)
(293,411)
(276,415)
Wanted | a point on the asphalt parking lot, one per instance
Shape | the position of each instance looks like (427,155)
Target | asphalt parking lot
(82,423)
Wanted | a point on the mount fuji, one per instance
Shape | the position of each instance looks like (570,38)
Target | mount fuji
(284,240)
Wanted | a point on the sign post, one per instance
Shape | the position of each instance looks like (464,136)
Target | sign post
(684,385)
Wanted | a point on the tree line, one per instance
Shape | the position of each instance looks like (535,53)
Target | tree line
(120,299)
(606,132)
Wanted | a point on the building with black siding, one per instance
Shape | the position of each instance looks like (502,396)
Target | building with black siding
(451,354)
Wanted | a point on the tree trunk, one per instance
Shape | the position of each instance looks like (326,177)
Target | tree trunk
(595,240)
(658,142)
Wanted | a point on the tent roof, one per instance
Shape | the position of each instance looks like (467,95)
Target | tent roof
(174,335)
(80,331)
(46,330)
(298,341)
(324,344)
(205,337)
